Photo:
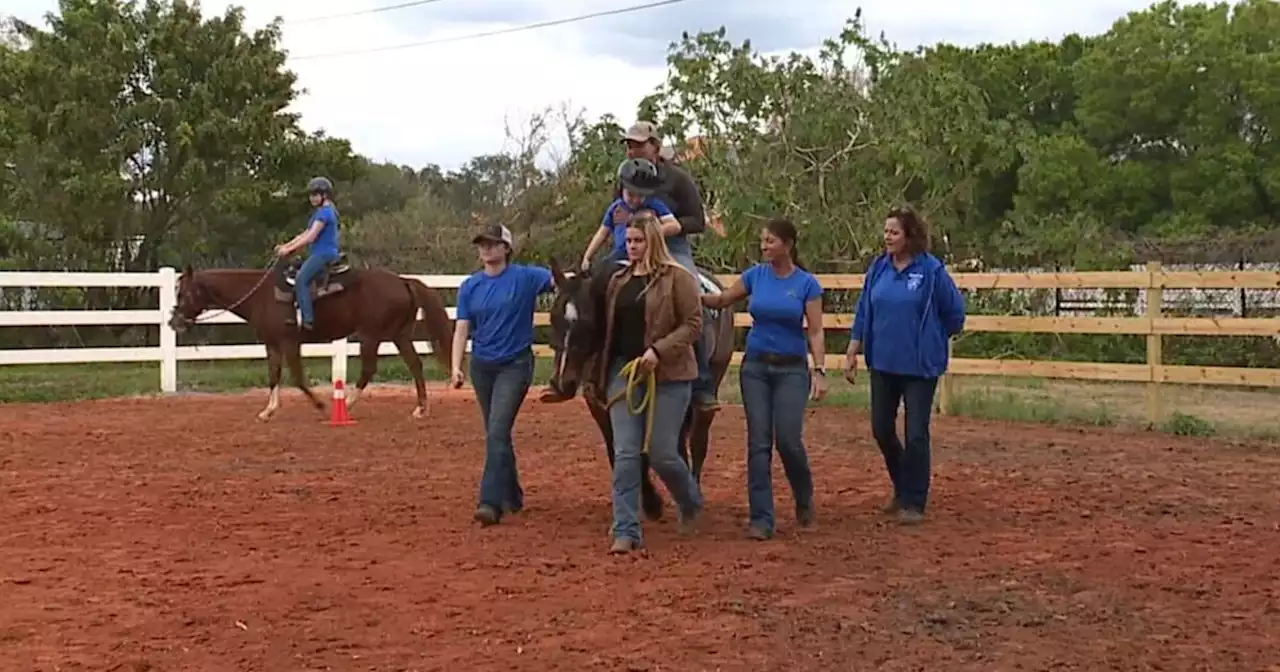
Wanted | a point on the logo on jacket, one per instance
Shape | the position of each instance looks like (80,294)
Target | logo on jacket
(914,280)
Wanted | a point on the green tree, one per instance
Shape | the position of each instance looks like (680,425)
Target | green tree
(142,133)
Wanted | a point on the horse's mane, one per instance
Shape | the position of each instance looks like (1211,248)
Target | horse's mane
(598,279)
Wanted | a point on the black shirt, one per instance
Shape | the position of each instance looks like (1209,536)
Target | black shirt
(628,319)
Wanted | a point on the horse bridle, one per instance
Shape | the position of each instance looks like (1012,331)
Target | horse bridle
(202,316)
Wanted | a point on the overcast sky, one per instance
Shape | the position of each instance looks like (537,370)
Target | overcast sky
(445,103)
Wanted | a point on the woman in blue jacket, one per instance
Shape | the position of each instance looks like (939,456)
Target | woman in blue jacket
(495,309)
(907,313)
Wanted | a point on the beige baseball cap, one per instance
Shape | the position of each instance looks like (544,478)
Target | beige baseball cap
(643,131)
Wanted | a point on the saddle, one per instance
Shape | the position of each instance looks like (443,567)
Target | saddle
(336,276)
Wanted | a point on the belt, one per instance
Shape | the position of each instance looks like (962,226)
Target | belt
(775,359)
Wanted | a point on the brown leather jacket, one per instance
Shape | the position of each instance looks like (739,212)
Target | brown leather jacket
(672,319)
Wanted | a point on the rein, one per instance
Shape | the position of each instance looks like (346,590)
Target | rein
(648,402)
(265,274)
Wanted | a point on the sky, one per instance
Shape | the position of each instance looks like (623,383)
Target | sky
(444,103)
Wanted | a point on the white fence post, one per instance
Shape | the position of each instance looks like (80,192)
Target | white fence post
(339,366)
(168,337)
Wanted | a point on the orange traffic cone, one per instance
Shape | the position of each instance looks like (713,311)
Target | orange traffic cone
(340,417)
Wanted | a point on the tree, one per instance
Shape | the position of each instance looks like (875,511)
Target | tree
(142,133)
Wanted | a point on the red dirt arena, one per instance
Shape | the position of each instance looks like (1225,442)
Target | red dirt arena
(182,534)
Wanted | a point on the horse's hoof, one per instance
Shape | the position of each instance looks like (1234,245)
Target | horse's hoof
(419,413)
(653,511)
(264,416)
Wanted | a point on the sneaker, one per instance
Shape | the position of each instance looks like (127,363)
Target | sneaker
(758,532)
(487,515)
(910,517)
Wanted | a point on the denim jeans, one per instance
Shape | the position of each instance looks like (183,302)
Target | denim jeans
(702,387)
(311,268)
(774,398)
(909,467)
(664,453)
(500,390)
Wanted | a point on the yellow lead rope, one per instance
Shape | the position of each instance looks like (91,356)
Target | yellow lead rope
(648,403)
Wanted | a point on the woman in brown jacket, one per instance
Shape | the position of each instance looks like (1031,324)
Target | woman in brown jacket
(653,313)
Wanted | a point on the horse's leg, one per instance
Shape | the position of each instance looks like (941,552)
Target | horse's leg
(404,343)
(683,445)
(274,363)
(699,438)
(368,368)
(601,416)
(293,355)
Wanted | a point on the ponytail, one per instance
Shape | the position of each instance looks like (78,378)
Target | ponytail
(785,230)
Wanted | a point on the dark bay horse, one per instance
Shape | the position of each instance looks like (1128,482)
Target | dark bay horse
(374,304)
(577,335)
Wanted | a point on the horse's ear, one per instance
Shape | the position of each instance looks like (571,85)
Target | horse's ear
(557,273)
(188,271)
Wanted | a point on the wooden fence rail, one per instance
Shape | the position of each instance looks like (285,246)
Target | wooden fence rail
(1152,324)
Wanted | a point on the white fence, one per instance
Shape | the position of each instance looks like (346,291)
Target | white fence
(168,353)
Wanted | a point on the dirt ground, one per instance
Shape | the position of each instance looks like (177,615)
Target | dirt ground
(181,534)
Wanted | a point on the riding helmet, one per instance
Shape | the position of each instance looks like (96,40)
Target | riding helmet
(320,185)
(639,176)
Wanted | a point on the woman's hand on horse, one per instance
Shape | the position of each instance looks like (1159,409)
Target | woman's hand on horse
(585,265)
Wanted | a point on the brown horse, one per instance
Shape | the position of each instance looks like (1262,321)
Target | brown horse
(374,304)
(577,335)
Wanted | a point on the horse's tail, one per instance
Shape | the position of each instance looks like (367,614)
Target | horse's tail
(439,326)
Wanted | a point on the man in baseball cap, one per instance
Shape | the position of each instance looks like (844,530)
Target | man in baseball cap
(494,233)
(677,189)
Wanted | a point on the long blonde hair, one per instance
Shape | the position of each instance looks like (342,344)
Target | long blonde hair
(656,253)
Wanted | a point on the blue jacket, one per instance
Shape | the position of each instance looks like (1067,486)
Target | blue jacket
(942,316)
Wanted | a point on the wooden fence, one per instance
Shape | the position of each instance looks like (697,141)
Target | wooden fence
(1152,324)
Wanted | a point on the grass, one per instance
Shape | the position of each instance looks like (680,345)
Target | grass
(1189,410)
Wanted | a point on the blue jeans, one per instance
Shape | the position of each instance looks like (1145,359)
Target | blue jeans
(664,453)
(311,268)
(703,390)
(500,390)
(774,397)
(909,466)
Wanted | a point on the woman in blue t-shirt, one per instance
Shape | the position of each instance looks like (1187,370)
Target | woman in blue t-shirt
(781,370)
(907,313)
(495,308)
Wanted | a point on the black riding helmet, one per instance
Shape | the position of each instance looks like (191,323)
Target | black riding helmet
(639,176)
(320,185)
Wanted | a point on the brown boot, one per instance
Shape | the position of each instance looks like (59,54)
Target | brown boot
(623,545)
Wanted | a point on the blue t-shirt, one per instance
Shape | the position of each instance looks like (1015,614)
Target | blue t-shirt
(327,241)
(619,229)
(500,309)
(777,309)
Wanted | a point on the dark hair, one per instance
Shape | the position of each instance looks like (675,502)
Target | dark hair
(914,228)
(785,230)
